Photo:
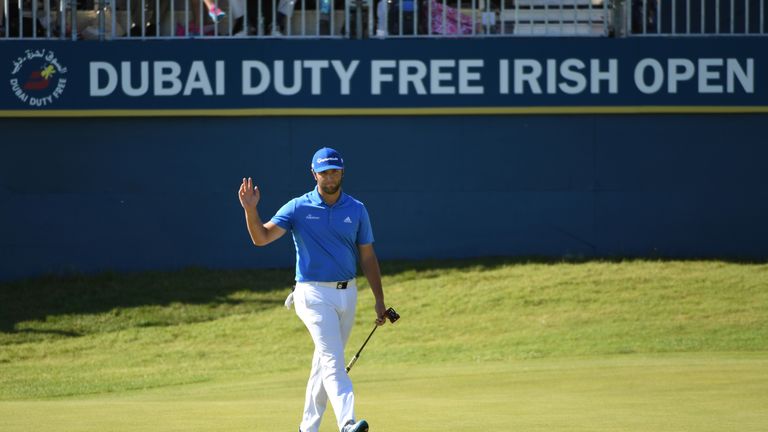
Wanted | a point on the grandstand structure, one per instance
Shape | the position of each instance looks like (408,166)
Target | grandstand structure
(111,19)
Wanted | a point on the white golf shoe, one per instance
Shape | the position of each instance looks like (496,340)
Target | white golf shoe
(360,426)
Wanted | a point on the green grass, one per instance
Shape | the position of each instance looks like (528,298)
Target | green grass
(678,393)
(482,344)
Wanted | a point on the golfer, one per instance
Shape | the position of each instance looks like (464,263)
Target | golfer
(332,232)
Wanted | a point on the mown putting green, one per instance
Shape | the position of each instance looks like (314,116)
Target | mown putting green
(674,393)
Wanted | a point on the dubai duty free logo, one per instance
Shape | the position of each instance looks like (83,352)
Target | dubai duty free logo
(38,78)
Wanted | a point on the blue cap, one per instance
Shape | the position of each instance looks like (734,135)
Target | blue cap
(327,158)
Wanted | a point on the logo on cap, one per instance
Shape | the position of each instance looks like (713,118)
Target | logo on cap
(321,160)
(327,158)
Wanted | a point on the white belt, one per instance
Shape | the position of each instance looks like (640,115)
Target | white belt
(335,285)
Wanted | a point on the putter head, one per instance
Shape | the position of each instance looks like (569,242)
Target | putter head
(392,315)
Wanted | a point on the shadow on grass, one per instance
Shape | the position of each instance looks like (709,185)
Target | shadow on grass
(73,305)
(55,306)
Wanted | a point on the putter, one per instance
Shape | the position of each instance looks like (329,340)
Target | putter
(392,316)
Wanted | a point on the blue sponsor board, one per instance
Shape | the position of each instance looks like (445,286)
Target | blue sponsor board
(369,77)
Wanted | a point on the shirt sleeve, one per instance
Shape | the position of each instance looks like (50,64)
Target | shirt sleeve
(284,217)
(364,232)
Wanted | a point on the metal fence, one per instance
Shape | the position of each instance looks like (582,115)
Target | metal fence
(109,19)
(695,17)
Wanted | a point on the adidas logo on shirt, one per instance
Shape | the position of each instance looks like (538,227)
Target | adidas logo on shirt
(347,220)
(309,216)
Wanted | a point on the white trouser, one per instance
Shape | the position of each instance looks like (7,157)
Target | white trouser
(329,314)
(285,7)
(237,8)
(381,13)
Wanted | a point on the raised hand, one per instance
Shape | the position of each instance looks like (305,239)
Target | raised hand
(249,194)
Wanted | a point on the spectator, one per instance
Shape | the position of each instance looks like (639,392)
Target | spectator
(237,10)
(260,15)
(402,17)
(643,17)
(152,8)
(214,11)
(382,29)
(456,23)
(160,13)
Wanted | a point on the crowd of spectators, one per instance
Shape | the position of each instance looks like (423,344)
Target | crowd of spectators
(196,18)
(105,19)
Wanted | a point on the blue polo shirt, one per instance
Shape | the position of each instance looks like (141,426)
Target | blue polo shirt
(326,237)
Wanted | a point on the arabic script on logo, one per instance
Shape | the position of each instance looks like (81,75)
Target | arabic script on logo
(38,79)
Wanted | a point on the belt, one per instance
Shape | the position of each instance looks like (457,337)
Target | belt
(337,285)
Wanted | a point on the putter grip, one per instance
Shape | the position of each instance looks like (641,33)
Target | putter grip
(352,363)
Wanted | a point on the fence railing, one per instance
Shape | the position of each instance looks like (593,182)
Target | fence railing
(695,17)
(110,19)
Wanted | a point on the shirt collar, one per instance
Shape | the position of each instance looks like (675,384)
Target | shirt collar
(315,198)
